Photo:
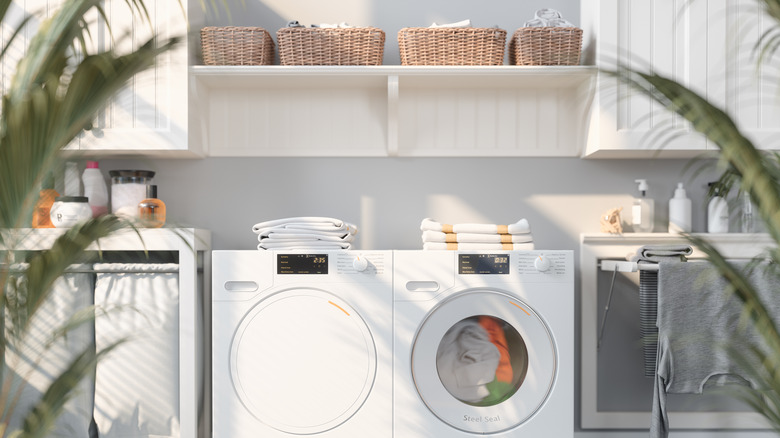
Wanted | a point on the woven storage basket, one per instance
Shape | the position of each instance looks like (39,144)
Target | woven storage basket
(545,46)
(233,45)
(451,46)
(330,46)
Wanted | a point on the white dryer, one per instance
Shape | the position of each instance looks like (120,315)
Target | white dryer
(302,344)
(483,344)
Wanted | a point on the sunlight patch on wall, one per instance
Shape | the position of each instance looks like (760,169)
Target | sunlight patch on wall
(306,12)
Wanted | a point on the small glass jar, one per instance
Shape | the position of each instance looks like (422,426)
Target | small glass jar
(67,211)
(128,188)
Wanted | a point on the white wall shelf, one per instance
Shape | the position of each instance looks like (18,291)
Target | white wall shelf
(474,111)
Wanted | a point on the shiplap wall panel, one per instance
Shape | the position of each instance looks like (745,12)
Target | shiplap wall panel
(297,121)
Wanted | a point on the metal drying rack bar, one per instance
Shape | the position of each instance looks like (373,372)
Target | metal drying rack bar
(626,266)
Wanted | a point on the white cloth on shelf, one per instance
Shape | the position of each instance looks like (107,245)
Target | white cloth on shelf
(439,236)
(137,384)
(547,14)
(463,23)
(305,232)
(307,223)
(45,353)
(288,234)
(519,227)
(477,246)
(302,244)
(547,18)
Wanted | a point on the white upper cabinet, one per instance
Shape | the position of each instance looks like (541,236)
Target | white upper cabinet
(150,115)
(703,44)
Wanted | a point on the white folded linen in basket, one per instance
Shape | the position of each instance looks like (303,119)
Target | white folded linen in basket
(463,23)
(438,236)
(519,227)
(474,246)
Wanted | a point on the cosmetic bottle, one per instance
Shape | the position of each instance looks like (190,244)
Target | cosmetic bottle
(680,211)
(95,189)
(72,179)
(717,211)
(746,221)
(41,214)
(151,210)
(642,210)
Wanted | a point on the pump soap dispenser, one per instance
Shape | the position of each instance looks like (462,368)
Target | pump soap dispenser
(717,211)
(642,211)
(680,211)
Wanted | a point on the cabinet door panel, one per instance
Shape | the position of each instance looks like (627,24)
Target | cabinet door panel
(150,113)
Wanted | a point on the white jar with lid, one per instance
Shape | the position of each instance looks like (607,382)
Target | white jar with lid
(67,211)
(128,189)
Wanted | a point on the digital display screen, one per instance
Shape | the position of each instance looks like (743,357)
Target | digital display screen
(483,263)
(302,264)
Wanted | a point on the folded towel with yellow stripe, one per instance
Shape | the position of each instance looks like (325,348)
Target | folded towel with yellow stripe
(519,227)
(305,232)
(477,246)
(474,236)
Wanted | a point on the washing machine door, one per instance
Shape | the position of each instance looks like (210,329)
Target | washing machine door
(484,361)
(303,361)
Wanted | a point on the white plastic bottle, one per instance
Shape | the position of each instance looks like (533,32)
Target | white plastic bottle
(680,211)
(643,210)
(717,212)
(95,189)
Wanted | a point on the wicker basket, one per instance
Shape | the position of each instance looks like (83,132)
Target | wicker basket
(331,46)
(545,46)
(237,46)
(451,46)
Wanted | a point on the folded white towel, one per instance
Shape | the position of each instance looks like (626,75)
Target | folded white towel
(280,237)
(520,227)
(464,23)
(302,244)
(341,25)
(438,236)
(559,22)
(476,246)
(536,22)
(315,223)
(547,14)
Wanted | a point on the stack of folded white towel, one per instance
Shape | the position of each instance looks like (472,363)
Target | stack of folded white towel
(515,236)
(309,232)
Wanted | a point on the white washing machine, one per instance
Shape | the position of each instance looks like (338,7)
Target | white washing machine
(483,344)
(302,344)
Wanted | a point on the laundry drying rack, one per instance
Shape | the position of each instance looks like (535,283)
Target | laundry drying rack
(603,256)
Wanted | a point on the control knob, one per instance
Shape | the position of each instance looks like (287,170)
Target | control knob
(360,263)
(542,263)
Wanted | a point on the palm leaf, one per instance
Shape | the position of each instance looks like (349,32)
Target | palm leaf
(57,89)
(757,174)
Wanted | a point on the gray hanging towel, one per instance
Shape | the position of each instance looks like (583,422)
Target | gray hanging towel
(697,318)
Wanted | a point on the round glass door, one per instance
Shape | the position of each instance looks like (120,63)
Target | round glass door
(303,361)
(484,361)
